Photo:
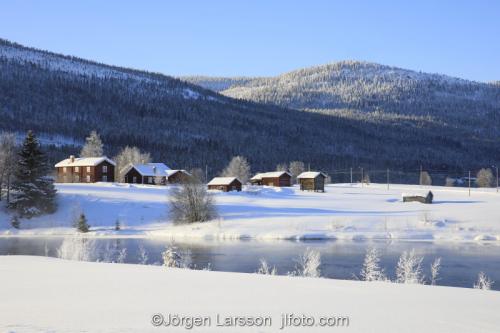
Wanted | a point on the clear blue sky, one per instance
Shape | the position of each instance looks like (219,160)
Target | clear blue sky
(238,37)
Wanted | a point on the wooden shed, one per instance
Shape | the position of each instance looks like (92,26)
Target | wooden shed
(275,178)
(225,184)
(312,181)
(85,170)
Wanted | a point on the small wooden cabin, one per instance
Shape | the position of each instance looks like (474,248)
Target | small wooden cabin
(178,176)
(275,178)
(154,174)
(85,170)
(419,198)
(225,184)
(312,181)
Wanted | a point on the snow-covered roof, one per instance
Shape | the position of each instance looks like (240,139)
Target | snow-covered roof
(272,174)
(310,174)
(222,180)
(150,169)
(171,172)
(84,161)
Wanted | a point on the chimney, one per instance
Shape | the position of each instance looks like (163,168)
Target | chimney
(72,158)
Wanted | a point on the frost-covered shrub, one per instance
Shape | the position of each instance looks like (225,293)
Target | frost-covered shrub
(371,270)
(435,267)
(483,282)
(122,255)
(308,264)
(265,269)
(143,256)
(173,257)
(77,248)
(409,268)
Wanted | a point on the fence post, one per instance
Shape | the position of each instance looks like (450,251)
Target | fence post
(351,176)
(387,178)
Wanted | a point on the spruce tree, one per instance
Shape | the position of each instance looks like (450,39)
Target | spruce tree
(82,224)
(33,191)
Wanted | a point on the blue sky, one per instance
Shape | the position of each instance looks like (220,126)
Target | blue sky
(230,38)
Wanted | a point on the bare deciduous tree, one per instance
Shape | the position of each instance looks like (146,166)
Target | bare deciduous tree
(425,178)
(127,156)
(238,167)
(296,168)
(93,146)
(190,202)
(485,178)
(8,159)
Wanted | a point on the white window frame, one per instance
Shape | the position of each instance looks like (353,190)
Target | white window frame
(65,169)
(88,169)
(77,169)
(104,169)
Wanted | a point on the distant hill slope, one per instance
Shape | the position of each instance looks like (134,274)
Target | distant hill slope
(62,98)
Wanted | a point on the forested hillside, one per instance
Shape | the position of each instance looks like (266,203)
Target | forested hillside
(64,98)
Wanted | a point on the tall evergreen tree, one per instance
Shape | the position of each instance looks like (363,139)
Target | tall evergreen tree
(33,191)
(93,146)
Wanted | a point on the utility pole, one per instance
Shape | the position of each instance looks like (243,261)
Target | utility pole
(362,177)
(387,178)
(206,173)
(351,176)
(497,177)
(420,176)
(469,183)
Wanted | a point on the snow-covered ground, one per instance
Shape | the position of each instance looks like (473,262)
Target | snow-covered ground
(343,212)
(40,294)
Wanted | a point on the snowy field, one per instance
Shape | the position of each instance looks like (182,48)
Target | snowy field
(343,212)
(52,295)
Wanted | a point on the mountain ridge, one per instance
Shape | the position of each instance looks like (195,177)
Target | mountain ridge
(187,126)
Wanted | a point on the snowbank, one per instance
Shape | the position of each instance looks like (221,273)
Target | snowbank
(343,212)
(42,294)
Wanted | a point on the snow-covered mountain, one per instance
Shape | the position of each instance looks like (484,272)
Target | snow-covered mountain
(365,87)
(357,114)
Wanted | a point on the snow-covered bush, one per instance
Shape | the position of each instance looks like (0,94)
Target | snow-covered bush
(435,267)
(308,264)
(371,270)
(409,268)
(265,269)
(122,255)
(143,256)
(77,248)
(173,257)
(483,282)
